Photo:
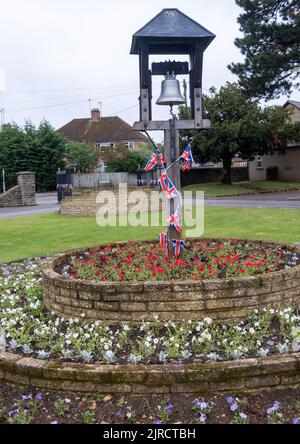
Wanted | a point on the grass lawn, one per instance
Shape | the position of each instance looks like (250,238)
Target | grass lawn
(219,189)
(49,233)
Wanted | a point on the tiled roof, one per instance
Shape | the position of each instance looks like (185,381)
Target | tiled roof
(104,130)
(294,103)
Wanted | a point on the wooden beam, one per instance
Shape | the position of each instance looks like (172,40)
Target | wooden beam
(163,125)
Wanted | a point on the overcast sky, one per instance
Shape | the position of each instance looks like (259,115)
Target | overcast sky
(57,54)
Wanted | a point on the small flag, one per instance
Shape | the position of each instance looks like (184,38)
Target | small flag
(177,245)
(162,238)
(175,222)
(171,191)
(152,163)
(163,161)
(187,158)
(163,181)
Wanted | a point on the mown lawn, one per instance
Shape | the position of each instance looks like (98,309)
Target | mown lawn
(49,233)
(219,189)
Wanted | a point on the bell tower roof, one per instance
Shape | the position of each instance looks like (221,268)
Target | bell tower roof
(164,31)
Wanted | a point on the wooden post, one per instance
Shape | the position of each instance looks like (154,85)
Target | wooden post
(172,153)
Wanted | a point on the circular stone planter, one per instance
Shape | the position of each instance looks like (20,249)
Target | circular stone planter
(223,300)
(274,372)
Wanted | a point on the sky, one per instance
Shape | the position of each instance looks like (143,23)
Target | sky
(58,58)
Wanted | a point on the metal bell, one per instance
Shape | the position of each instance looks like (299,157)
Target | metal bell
(170,91)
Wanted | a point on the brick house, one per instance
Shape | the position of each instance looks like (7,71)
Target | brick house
(287,164)
(103,133)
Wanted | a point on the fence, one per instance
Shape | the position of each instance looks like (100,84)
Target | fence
(7,181)
(97,180)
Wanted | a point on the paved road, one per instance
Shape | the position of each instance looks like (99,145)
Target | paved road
(289,199)
(285,199)
(46,203)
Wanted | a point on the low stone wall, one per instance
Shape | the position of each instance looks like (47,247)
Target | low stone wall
(90,203)
(223,300)
(12,197)
(247,375)
(21,195)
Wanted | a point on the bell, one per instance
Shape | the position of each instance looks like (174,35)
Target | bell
(170,91)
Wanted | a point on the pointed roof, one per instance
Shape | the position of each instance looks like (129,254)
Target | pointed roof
(294,103)
(171,24)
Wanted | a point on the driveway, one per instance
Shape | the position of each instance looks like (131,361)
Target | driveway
(46,203)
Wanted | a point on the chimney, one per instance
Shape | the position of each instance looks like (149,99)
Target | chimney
(95,114)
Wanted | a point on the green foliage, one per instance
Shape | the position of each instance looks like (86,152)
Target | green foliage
(32,149)
(271,46)
(124,160)
(82,155)
(239,126)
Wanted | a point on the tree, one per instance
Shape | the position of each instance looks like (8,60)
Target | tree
(239,126)
(124,160)
(82,155)
(271,46)
(33,149)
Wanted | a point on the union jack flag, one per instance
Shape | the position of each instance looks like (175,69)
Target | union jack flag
(187,158)
(167,186)
(175,222)
(163,161)
(152,163)
(163,181)
(162,238)
(177,245)
(171,191)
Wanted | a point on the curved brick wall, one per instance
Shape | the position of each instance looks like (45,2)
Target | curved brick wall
(220,299)
(273,372)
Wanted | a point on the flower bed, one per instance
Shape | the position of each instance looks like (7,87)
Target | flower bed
(240,277)
(202,259)
(34,331)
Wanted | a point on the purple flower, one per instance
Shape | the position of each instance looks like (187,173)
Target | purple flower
(25,398)
(243,416)
(169,407)
(39,396)
(296,421)
(234,407)
(229,399)
(118,413)
(276,405)
(158,421)
(202,417)
(270,411)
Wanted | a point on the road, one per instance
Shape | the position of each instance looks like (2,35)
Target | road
(46,203)
(288,199)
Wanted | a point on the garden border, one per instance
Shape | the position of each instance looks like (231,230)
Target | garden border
(247,375)
(222,300)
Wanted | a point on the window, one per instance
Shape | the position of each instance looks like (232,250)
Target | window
(259,162)
(129,144)
(105,144)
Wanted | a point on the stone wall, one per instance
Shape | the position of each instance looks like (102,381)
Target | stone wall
(23,194)
(223,300)
(246,375)
(90,203)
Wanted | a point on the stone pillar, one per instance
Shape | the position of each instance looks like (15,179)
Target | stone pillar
(26,182)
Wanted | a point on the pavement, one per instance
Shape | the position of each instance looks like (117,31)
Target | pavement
(47,203)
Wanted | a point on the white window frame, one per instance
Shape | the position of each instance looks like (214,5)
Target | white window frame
(259,162)
(129,144)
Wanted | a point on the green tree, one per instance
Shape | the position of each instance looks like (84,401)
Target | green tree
(271,46)
(82,155)
(33,149)
(124,160)
(239,126)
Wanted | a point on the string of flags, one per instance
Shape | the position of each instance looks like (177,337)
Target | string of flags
(166,185)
